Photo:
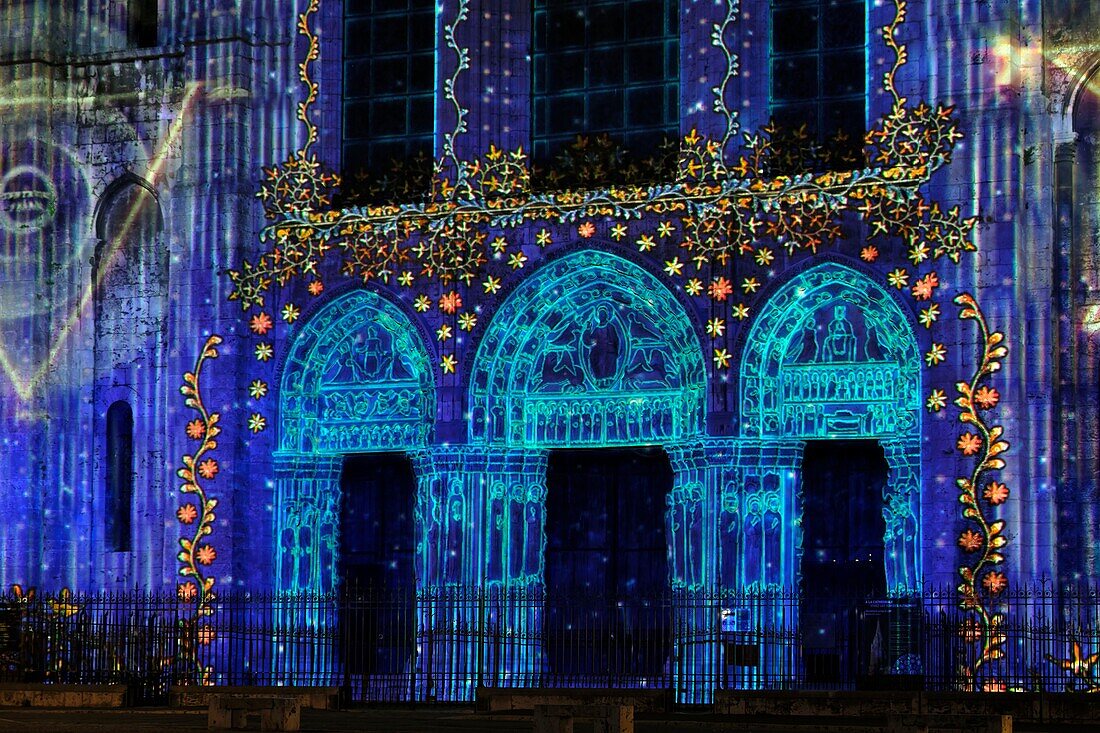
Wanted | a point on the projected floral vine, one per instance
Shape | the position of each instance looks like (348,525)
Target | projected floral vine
(718,40)
(981,493)
(196,553)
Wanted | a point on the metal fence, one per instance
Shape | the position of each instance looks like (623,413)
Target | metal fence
(442,644)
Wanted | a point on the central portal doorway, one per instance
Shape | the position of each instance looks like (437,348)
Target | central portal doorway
(377,576)
(843,555)
(607,612)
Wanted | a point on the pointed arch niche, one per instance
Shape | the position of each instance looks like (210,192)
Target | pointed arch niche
(832,356)
(357,379)
(591,351)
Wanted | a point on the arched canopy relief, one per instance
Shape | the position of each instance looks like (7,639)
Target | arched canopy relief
(591,350)
(832,355)
(356,379)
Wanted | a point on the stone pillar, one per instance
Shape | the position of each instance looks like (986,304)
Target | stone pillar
(450,512)
(307,522)
(691,526)
(901,511)
(515,538)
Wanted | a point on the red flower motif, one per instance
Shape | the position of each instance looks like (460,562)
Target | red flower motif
(450,302)
(206,554)
(969,443)
(587,229)
(720,288)
(208,469)
(995,582)
(987,397)
(996,493)
(196,429)
(186,591)
(923,288)
(869,253)
(260,324)
(970,541)
(187,513)
(316,287)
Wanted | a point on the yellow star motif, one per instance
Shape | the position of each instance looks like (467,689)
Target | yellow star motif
(448,364)
(740,311)
(1078,665)
(405,279)
(618,232)
(543,238)
(444,332)
(749,285)
(721,359)
(517,260)
(491,284)
(674,266)
(664,229)
(645,243)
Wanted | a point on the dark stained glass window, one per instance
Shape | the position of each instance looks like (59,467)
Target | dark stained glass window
(120,475)
(389,81)
(818,66)
(605,66)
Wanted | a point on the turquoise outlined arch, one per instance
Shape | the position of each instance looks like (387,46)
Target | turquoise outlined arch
(357,378)
(590,350)
(807,371)
(833,355)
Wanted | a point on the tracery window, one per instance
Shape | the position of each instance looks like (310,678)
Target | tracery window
(389,81)
(818,66)
(605,66)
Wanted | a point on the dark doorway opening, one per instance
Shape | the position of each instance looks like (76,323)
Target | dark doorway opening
(843,554)
(608,616)
(377,547)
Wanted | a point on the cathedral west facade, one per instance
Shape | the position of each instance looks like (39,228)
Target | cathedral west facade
(761,361)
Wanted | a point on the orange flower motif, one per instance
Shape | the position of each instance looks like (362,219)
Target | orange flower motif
(970,541)
(186,591)
(450,302)
(869,253)
(995,582)
(187,513)
(922,289)
(969,443)
(987,397)
(587,229)
(208,469)
(260,324)
(720,288)
(996,493)
(196,429)
(970,630)
(206,554)
(205,635)
(316,287)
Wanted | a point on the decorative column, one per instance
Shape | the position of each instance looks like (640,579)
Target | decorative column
(514,542)
(691,525)
(450,511)
(762,548)
(307,521)
(901,512)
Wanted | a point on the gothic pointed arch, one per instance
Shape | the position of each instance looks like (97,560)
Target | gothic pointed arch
(357,378)
(832,354)
(591,350)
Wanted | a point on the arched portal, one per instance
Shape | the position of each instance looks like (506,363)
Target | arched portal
(833,356)
(591,351)
(588,396)
(357,380)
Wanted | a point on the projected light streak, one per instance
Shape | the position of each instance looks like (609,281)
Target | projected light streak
(25,388)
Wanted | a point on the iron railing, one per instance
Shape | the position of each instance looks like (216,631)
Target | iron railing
(441,644)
